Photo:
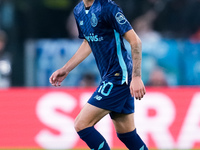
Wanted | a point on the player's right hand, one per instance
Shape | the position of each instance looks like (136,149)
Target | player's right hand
(137,88)
(57,77)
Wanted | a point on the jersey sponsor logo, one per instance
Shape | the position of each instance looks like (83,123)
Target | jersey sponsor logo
(94,20)
(120,18)
(93,38)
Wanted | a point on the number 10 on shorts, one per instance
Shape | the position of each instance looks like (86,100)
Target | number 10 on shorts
(105,88)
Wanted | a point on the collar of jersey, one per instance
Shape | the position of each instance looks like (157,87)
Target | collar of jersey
(90,6)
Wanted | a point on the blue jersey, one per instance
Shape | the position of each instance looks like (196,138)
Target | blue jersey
(103,27)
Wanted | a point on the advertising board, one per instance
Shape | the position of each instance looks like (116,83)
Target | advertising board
(166,118)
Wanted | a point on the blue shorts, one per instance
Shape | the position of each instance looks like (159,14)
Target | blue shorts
(116,98)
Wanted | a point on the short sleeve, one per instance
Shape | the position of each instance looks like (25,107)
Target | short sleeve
(115,17)
(81,36)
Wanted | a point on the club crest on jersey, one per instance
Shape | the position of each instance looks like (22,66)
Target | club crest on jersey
(120,18)
(94,20)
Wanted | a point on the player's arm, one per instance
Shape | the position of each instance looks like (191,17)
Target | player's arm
(59,75)
(137,87)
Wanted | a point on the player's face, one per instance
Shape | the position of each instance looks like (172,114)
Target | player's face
(88,2)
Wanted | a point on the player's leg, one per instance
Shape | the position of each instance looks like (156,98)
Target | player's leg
(126,131)
(123,122)
(84,125)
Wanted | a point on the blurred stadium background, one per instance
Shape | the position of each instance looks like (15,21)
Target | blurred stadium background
(39,36)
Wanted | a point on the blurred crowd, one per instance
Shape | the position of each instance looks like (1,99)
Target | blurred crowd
(170,18)
(22,20)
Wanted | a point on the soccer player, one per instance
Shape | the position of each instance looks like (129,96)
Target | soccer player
(102,25)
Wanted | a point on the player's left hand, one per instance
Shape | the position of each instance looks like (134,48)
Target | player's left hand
(137,88)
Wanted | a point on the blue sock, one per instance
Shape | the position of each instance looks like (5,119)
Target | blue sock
(132,141)
(93,139)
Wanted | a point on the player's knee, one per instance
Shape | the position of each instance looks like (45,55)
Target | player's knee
(77,125)
(80,125)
